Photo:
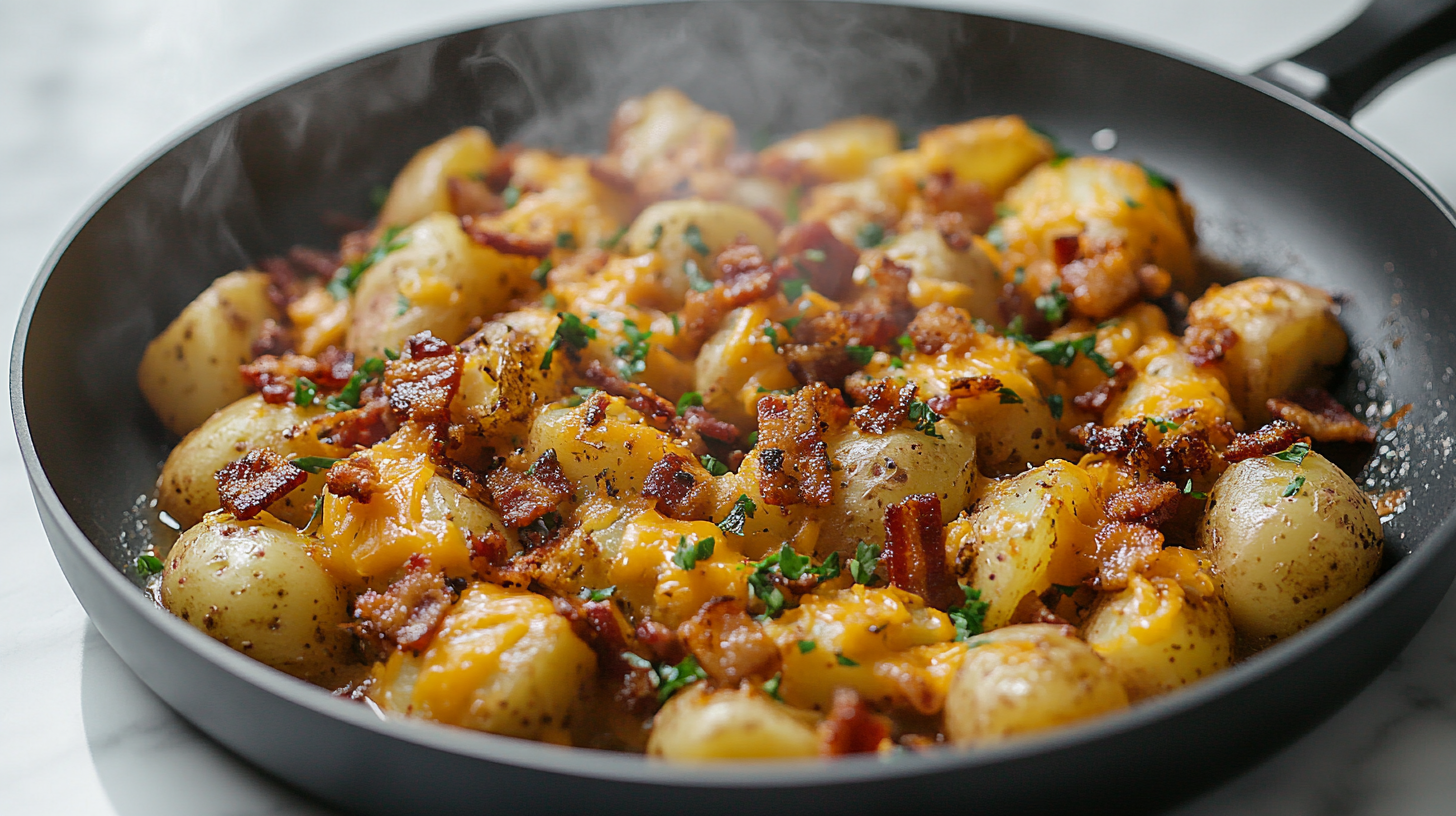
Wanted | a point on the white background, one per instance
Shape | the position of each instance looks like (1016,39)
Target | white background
(89,86)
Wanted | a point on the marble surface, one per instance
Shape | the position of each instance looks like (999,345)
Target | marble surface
(88,86)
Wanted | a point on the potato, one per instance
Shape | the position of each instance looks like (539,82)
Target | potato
(438,281)
(993,150)
(664,138)
(839,151)
(744,723)
(878,470)
(255,586)
(503,661)
(187,487)
(1160,634)
(501,383)
(1288,337)
(422,186)
(1027,678)
(663,228)
(736,362)
(962,278)
(1024,535)
(1288,560)
(191,369)
(648,582)
(846,207)
(1167,380)
(615,454)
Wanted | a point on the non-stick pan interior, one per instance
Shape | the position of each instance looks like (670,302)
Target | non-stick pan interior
(1278,190)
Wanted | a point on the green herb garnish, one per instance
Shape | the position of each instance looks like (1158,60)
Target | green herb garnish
(348,397)
(688,554)
(511,196)
(304,392)
(862,566)
(693,237)
(1293,487)
(346,279)
(633,350)
(869,235)
(571,332)
(1294,454)
(542,270)
(565,240)
(712,465)
(688,400)
(148,565)
(924,418)
(861,355)
(695,276)
(1053,304)
(589,594)
(806,646)
(970,617)
(611,241)
(1054,402)
(313,464)
(1009,397)
(743,509)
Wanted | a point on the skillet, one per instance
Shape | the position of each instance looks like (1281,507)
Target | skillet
(1283,185)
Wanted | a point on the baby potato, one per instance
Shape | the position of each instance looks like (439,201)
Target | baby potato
(664,138)
(664,227)
(1290,542)
(503,661)
(736,362)
(1288,338)
(743,723)
(992,150)
(191,369)
(847,207)
(1027,678)
(878,470)
(422,187)
(255,586)
(615,454)
(1167,380)
(501,383)
(187,487)
(839,151)
(1024,535)
(969,272)
(1159,635)
(437,281)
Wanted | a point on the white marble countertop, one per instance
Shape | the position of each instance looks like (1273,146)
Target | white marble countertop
(89,86)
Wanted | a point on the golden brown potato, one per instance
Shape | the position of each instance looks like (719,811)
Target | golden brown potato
(839,151)
(737,361)
(422,186)
(1027,678)
(662,139)
(701,724)
(187,487)
(191,369)
(255,586)
(501,383)
(1290,542)
(1288,338)
(994,151)
(664,228)
(963,278)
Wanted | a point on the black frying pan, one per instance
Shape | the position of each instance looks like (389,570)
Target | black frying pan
(1283,187)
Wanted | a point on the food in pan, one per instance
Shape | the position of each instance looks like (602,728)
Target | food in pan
(837,446)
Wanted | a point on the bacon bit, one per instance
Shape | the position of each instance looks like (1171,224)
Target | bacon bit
(354,477)
(421,386)
(914,553)
(469,196)
(1115,440)
(1148,503)
(330,370)
(1123,549)
(273,339)
(1096,400)
(408,613)
(314,262)
(942,329)
(1396,417)
(963,388)
(1320,416)
(700,421)
(506,243)
(612,177)
(795,426)
(284,287)
(596,410)
(1031,609)
(363,427)
(1272,438)
(490,548)
(967,202)
(744,276)
(1066,248)
(1207,343)
(524,497)
(1154,280)
(874,319)
(886,406)
(602,627)
(1013,302)
(258,479)
(661,641)
(503,166)
(1178,456)
(729,644)
(678,494)
(829,277)
(658,411)
(851,727)
(1389,502)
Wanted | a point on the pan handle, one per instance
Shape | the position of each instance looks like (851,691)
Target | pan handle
(1390,39)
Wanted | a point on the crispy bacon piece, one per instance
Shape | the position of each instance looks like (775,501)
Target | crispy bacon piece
(506,243)
(490,547)
(851,727)
(874,319)
(886,405)
(699,420)
(262,476)
(409,612)
(914,553)
(942,329)
(273,338)
(524,497)
(503,166)
(1148,503)
(729,644)
(1032,609)
(364,427)
(354,477)
(274,376)
(1123,549)
(602,627)
(661,641)
(658,411)
(829,277)
(1321,417)
(1208,343)
(1272,438)
(421,385)
(1013,302)
(678,494)
(608,174)
(470,196)
(795,426)
(1066,248)
(1116,440)
(1181,455)
(744,276)
(1096,400)
(967,202)
(963,388)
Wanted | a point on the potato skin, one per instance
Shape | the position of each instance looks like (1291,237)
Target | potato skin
(422,187)
(191,369)
(719,223)
(254,586)
(1287,561)
(1026,678)
(501,383)
(840,151)
(187,487)
(699,724)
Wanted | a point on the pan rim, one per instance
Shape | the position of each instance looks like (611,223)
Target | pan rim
(615,766)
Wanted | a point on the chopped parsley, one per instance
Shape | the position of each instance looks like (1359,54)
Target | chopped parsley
(693,237)
(511,196)
(743,509)
(970,617)
(1053,304)
(815,254)
(633,350)
(1064,352)
(688,400)
(844,661)
(1009,397)
(583,393)
(676,324)
(304,392)
(862,566)
(1066,589)
(589,594)
(1156,179)
(1189,491)
(771,686)
(346,279)
(924,418)
(548,300)
(348,397)
(794,288)
(1164,425)
(752,439)
(996,237)
(791,207)
(672,679)
(688,553)
(313,464)
(1003,211)
(656,236)
(1294,454)
(401,305)
(1131,202)
(318,511)
(792,566)
(391,354)
(712,465)
(869,235)
(790,322)
(565,240)
(148,565)
(571,332)
(1054,402)
(611,241)
(771,333)
(1293,487)
(1019,276)
(695,276)
(806,646)
(861,355)
(542,270)
(904,342)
